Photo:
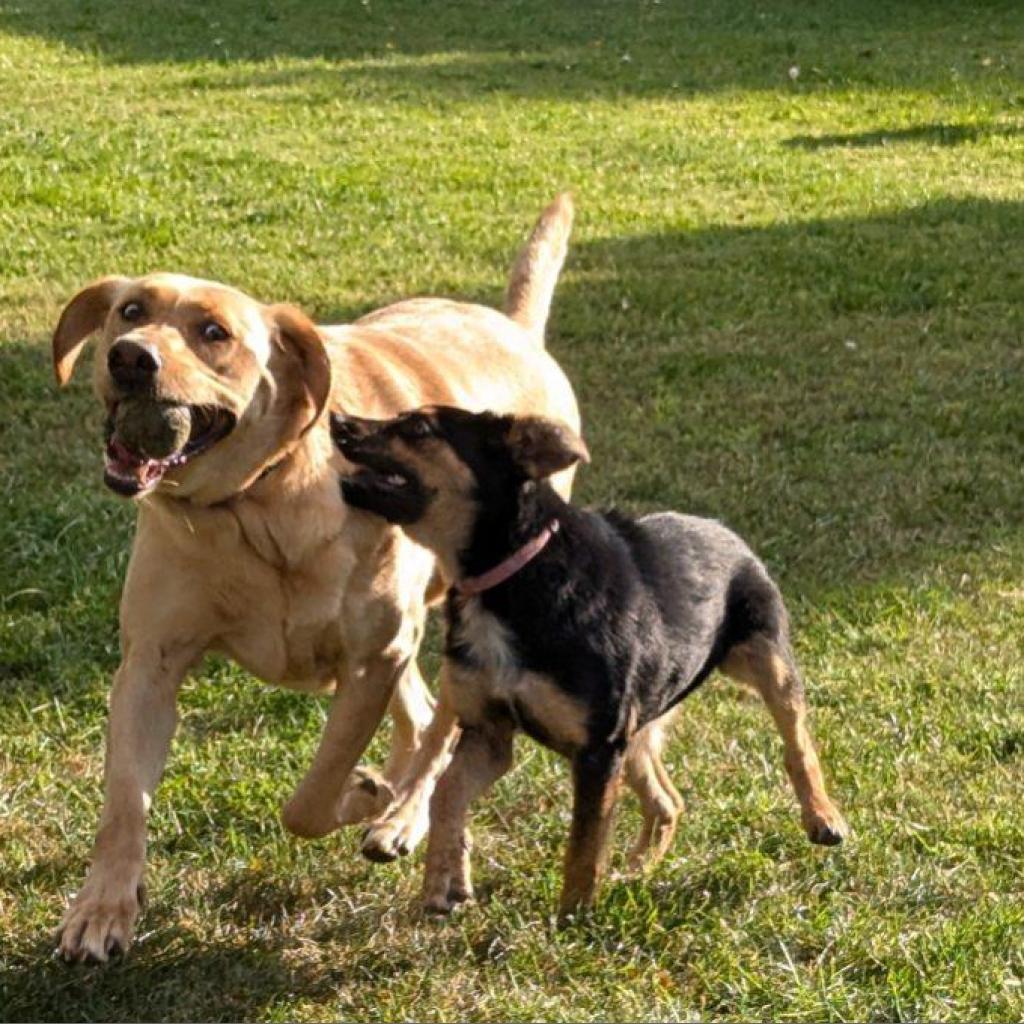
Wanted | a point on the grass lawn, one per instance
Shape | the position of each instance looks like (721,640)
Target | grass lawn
(794,301)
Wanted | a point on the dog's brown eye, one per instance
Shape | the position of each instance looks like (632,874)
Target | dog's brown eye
(132,311)
(212,331)
(418,427)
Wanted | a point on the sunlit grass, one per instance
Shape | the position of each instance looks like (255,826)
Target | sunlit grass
(793,302)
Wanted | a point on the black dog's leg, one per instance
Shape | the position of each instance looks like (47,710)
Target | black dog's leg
(660,802)
(597,773)
(483,755)
(767,664)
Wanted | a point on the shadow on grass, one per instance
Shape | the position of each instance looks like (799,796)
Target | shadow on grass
(545,47)
(220,982)
(845,392)
(931,134)
(240,978)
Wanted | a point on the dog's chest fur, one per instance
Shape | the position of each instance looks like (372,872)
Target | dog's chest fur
(487,672)
(489,643)
(292,607)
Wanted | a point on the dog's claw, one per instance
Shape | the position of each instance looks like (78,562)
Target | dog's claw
(64,948)
(398,832)
(457,895)
(826,835)
(443,901)
(381,845)
(446,906)
(376,852)
(828,832)
(99,922)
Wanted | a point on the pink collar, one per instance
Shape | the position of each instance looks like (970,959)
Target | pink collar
(472,585)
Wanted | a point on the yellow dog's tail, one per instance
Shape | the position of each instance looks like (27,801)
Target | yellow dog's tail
(536,269)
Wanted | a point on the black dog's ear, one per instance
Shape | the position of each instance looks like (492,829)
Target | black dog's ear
(541,447)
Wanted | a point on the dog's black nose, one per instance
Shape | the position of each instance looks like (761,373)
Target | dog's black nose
(342,426)
(133,365)
(342,429)
(347,430)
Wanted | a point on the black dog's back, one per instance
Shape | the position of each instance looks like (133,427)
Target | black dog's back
(712,580)
(632,615)
(711,590)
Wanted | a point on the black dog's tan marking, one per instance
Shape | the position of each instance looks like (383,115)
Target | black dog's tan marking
(588,646)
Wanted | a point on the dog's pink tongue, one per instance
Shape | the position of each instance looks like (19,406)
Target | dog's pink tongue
(124,463)
(152,470)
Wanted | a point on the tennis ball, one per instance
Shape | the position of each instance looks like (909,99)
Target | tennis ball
(154,429)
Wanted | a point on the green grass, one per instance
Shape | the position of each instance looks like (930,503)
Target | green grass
(794,304)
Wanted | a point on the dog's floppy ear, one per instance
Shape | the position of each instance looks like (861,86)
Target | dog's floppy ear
(298,336)
(84,314)
(541,447)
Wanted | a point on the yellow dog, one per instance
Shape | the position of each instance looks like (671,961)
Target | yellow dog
(243,543)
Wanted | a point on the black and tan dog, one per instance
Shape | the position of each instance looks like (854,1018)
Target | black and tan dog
(582,629)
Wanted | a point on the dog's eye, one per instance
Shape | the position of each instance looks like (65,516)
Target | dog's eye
(132,311)
(418,427)
(212,331)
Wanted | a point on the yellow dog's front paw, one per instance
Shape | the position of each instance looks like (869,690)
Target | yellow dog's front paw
(398,831)
(825,826)
(367,795)
(308,817)
(99,923)
(828,832)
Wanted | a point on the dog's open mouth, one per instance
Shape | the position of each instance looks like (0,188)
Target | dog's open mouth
(384,486)
(377,473)
(131,471)
(389,479)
